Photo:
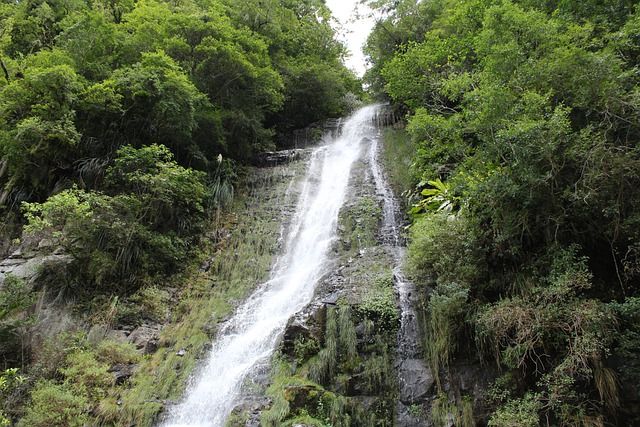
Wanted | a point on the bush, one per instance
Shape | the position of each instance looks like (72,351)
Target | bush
(445,248)
(379,305)
(119,239)
(55,405)
(552,318)
(15,298)
(518,413)
(87,374)
(445,311)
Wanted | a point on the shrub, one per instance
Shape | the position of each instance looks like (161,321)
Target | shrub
(56,405)
(173,196)
(518,413)
(445,248)
(120,238)
(379,305)
(553,319)
(15,298)
(445,315)
(87,374)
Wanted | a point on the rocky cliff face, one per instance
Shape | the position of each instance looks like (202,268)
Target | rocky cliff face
(344,360)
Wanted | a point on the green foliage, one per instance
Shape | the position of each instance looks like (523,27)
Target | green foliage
(10,379)
(175,195)
(116,352)
(55,405)
(437,198)
(15,298)
(524,116)
(142,231)
(379,305)
(397,156)
(446,307)
(445,412)
(520,412)
(446,248)
(88,375)
(324,368)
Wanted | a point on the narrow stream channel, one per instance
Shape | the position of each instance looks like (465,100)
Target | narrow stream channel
(409,363)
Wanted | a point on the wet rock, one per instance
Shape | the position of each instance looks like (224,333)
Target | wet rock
(210,328)
(145,338)
(274,158)
(302,396)
(122,372)
(331,299)
(416,380)
(248,411)
(297,330)
(411,416)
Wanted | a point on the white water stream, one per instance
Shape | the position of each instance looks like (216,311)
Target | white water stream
(251,335)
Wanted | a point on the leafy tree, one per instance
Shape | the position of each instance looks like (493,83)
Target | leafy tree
(119,239)
(524,113)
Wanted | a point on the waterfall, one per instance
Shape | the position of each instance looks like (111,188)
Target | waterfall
(251,335)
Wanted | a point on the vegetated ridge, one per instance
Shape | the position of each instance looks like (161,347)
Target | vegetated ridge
(523,194)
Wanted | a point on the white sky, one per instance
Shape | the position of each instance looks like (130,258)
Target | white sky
(354,31)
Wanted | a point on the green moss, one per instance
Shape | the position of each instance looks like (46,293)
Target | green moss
(379,304)
(359,224)
(397,157)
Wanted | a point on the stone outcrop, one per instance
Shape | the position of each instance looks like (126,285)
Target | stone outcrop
(274,158)
(26,265)
(145,338)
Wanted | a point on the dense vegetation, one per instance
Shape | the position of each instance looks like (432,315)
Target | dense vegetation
(524,116)
(123,127)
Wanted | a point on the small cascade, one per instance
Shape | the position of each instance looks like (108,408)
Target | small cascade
(409,360)
(251,335)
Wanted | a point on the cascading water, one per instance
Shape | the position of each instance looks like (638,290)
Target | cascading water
(409,361)
(251,334)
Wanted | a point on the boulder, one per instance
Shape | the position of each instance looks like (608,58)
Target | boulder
(296,330)
(416,380)
(28,268)
(145,338)
(122,372)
